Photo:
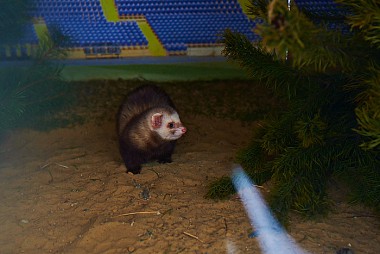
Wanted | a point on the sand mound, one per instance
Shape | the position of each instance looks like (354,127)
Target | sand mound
(66,191)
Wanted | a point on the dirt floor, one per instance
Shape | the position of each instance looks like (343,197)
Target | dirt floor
(66,191)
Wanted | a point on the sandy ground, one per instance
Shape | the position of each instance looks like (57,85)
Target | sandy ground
(66,191)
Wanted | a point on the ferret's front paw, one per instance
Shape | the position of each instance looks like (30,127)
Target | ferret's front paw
(165,160)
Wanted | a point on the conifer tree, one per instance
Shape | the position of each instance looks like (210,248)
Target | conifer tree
(331,82)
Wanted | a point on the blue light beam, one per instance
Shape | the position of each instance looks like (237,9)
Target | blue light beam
(273,239)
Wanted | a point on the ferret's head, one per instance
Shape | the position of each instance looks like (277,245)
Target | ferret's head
(167,125)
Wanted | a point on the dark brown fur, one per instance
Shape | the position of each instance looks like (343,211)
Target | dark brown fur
(137,143)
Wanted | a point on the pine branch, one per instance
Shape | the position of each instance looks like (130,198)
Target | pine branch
(49,47)
(220,189)
(300,180)
(260,64)
(258,8)
(369,127)
(366,17)
(326,76)
(311,130)
(309,45)
(256,162)
(279,134)
(368,110)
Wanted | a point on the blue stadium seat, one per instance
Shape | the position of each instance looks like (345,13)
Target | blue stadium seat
(83,21)
(326,12)
(177,23)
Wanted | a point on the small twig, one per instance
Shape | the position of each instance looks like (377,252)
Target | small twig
(166,194)
(362,216)
(225,225)
(44,166)
(95,179)
(48,164)
(63,166)
(79,156)
(158,176)
(167,211)
(193,236)
(134,213)
(51,176)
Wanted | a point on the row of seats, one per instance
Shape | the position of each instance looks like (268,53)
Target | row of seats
(323,8)
(126,12)
(180,7)
(82,34)
(57,12)
(58,4)
(177,23)
(203,21)
(175,47)
(189,4)
(66,8)
(102,50)
(177,7)
(68,11)
(174,2)
(326,12)
(84,23)
(200,28)
(69,1)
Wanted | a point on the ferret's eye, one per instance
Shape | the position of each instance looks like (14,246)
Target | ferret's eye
(171,125)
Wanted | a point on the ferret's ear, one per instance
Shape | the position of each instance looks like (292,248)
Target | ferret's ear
(156,120)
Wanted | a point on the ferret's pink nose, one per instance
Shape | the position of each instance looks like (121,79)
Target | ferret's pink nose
(184,130)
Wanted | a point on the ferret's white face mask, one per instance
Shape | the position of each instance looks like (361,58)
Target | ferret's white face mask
(169,127)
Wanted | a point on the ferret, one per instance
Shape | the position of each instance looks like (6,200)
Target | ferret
(344,251)
(148,127)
